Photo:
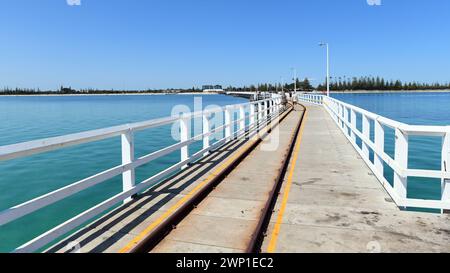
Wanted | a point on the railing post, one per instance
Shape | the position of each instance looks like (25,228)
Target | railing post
(260,114)
(366,134)
(342,117)
(401,158)
(339,111)
(278,106)
(353,124)
(242,118)
(128,177)
(379,144)
(252,116)
(270,106)
(184,136)
(228,123)
(445,183)
(206,130)
(274,105)
(336,110)
(345,119)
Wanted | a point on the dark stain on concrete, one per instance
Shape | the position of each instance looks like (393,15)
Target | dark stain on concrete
(446,231)
(331,218)
(369,213)
(308,182)
(348,194)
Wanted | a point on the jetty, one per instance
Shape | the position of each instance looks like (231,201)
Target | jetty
(306,176)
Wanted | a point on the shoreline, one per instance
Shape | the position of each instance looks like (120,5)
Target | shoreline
(388,91)
(215,93)
(106,94)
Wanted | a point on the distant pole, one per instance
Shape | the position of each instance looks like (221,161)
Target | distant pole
(295,80)
(328,67)
(283,94)
(328,71)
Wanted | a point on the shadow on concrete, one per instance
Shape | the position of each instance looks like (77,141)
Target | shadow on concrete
(170,187)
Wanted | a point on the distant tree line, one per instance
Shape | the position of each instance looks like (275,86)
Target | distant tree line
(378,83)
(70,91)
(336,84)
(303,85)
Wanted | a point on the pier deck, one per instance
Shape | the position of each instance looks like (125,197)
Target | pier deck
(336,204)
(227,219)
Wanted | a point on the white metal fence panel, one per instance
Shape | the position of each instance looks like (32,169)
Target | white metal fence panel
(340,112)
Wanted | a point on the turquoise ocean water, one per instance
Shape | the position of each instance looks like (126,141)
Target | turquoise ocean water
(30,118)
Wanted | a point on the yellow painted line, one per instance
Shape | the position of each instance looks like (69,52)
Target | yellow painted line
(177,205)
(276,230)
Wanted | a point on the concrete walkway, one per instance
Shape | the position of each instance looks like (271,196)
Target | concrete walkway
(336,204)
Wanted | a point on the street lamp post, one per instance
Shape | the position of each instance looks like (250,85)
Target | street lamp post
(295,80)
(328,67)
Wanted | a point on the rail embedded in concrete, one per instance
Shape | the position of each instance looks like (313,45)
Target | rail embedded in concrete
(259,114)
(345,116)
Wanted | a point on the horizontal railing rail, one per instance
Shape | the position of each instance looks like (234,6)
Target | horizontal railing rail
(260,113)
(345,116)
(255,95)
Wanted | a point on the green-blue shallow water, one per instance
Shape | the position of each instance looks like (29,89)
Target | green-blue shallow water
(29,118)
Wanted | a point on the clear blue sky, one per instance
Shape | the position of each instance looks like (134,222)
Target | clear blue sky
(135,44)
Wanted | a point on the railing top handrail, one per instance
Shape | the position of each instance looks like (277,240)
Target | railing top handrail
(27,148)
(432,130)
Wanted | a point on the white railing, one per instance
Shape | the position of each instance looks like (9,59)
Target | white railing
(311,98)
(345,116)
(253,94)
(259,114)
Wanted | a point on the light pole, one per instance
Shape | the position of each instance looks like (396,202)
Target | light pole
(328,67)
(295,80)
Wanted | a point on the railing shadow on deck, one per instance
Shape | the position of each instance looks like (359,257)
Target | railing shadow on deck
(164,188)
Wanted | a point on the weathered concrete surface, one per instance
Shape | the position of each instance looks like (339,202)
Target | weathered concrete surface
(336,204)
(228,217)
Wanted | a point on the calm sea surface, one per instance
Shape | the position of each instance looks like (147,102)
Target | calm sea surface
(30,118)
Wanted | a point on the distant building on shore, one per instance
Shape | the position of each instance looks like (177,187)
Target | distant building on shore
(212,88)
